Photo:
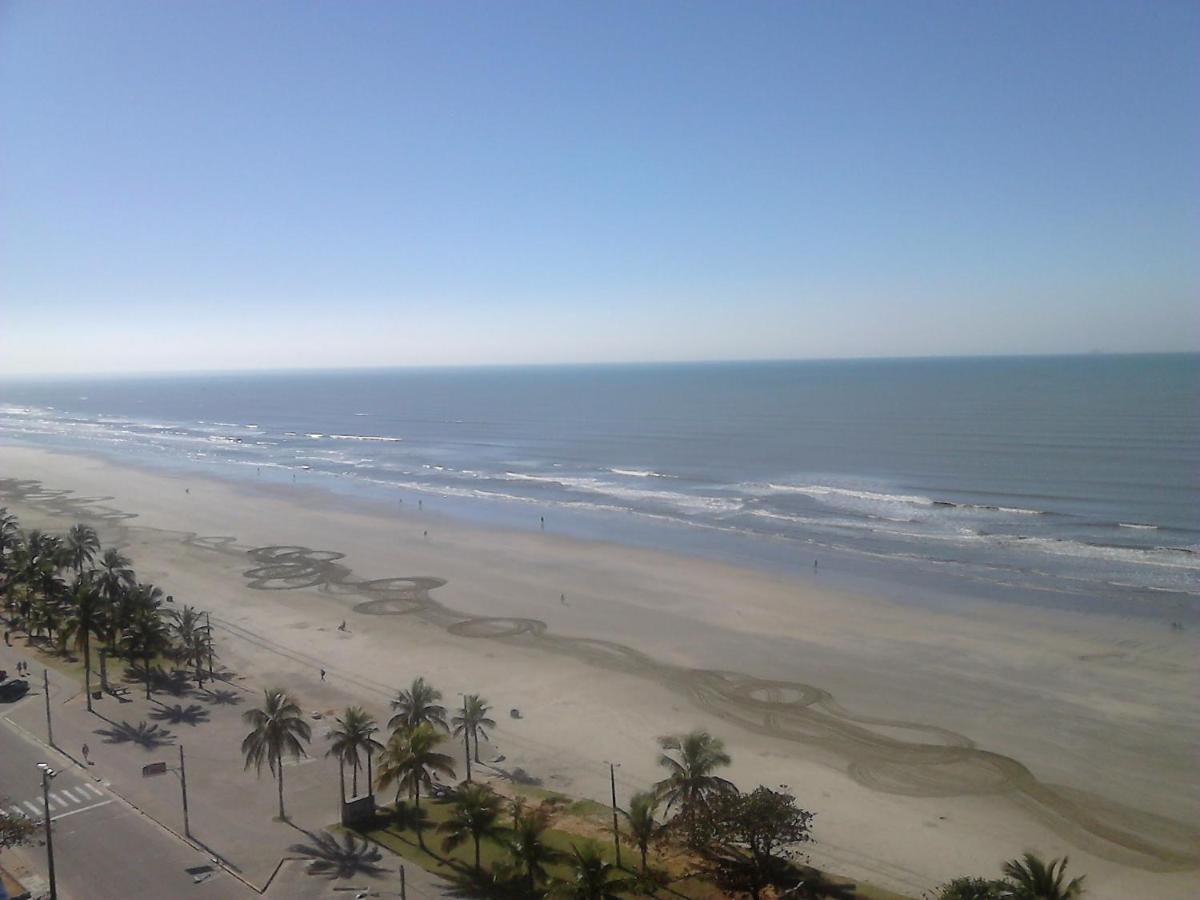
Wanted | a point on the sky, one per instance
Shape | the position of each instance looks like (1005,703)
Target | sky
(212,185)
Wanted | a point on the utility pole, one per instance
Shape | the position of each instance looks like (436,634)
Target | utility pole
(46,692)
(47,774)
(612,780)
(183,784)
(208,624)
(466,738)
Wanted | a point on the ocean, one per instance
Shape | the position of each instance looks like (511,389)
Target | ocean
(1055,480)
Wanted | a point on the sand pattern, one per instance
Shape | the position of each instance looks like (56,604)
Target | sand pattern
(885,755)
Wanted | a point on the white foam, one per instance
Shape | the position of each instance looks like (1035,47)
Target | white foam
(823,490)
(363,437)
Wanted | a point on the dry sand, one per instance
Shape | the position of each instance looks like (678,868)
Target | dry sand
(930,744)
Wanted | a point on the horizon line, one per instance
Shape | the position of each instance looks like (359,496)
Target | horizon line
(282,370)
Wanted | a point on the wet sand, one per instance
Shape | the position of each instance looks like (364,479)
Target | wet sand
(929,743)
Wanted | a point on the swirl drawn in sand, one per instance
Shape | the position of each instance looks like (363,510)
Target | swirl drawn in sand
(885,755)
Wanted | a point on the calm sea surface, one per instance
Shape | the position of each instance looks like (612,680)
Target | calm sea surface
(1072,477)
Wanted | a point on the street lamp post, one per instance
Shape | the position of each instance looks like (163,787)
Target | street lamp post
(47,774)
(46,693)
(612,781)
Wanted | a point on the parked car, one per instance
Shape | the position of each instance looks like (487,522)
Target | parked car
(13,689)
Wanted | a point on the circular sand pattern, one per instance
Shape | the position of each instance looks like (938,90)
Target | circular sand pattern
(497,627)
(966,772)
(401,595)
(290,567)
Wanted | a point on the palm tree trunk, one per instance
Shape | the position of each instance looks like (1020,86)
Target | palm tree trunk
(642,847)
(417,817)
(147,677)
(477,747)
(354,773)
(342,778)
(282,815)
(370,788)
(87,670)
(476,854)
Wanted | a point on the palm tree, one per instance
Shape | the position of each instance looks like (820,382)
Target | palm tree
(279,730)
(193,642)
(591,877)
(1035,880)
(529,848)
(691,782)
(114,579)
(475,813)
(354,735)
(146,634)
(642,826)
(85,620)
(82,546)
(410,761)
(418,706)
(473,720)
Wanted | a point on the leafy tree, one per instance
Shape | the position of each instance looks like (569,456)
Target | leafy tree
(973,889)
(14,830)
(528,847)
(642,826)
(691,784)
(278,730)
(353,736)
(145,634)
(81,547)
(473,720)
(418,706)
(749,839)
(475,814)
(192,638)
(1036,880)
(591,877)
(410,761)
(84,621)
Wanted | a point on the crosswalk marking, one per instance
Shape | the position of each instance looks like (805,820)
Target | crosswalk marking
(62,802)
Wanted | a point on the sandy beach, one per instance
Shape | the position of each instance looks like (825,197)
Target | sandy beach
(929,743)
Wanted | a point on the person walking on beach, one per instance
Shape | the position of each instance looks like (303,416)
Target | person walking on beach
(322,674)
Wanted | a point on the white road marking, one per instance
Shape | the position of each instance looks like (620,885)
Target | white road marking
(59,800)
(71,796)
(80,809)
(29,806)
(17,811)
(95,790)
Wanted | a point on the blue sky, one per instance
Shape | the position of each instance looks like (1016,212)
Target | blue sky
(239,185)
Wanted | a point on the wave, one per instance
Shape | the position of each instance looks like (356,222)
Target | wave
(823,490)
(639,473)
(363,437)
(1139,526)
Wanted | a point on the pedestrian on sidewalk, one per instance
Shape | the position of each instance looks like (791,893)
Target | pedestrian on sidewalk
(7,642)
(86,753)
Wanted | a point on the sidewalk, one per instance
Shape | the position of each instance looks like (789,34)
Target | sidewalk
(230,811)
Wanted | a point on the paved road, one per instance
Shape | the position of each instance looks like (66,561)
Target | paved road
(102,847)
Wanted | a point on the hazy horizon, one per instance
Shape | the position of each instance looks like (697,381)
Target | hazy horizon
(223,187)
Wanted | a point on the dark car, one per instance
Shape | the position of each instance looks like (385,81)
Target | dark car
(13,689)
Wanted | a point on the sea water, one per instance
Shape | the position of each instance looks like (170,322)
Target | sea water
(1036,478)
